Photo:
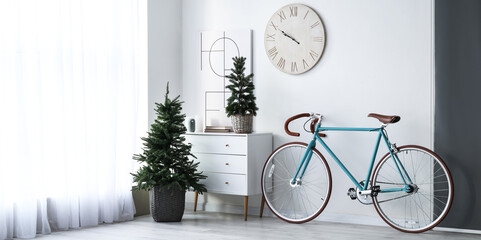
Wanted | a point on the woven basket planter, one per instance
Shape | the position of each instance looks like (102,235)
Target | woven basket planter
(167,205)
(242,124)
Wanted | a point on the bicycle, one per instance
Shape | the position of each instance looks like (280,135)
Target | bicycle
(411,187)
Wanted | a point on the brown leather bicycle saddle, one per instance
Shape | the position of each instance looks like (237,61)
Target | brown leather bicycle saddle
(385,118)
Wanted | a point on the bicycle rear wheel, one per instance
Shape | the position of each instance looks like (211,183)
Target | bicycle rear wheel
(427,201)
(305,200)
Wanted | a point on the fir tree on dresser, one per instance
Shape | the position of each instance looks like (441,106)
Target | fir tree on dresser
(242,101)
(165,159)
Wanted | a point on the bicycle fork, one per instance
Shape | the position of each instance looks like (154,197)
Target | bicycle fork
(301,169)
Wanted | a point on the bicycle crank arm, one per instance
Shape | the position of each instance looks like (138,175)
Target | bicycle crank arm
(365,192)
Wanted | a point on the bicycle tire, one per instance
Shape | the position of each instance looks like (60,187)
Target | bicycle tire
(296,203)
(432,190)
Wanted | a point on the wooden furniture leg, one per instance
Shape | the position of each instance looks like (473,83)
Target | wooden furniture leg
(195,200)
(263,201)
(246,200)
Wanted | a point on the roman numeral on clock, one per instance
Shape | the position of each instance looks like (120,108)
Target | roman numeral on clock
(293,11)
(294,67)
(306,14)
(272,52)
(281,15)
(274,26)
(270,37)
(304,64)
(281,63)
(314,55)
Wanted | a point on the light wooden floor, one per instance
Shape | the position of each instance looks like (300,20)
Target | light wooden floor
(205,225)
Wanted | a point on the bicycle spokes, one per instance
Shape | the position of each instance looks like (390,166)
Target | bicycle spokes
(300,199)
(421,204)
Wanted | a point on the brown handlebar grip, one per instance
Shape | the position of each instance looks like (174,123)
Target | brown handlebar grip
(313,125)
(286,125)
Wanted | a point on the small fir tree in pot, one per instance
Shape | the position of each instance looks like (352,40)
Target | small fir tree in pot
(166,170)
(241,105)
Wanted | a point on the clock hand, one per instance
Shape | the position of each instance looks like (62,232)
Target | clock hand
(285,34)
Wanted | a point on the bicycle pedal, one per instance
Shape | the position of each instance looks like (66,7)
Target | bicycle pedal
(352,193)
(375,190)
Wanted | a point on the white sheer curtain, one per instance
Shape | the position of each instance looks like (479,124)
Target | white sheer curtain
(72,88)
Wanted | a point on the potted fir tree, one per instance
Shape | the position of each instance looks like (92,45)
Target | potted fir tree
(166,170)
(241,105)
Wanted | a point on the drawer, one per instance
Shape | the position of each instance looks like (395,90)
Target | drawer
(225,183)
(221,163)
(217,144)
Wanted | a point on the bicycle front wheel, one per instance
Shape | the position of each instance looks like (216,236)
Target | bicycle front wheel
(304,200)
(430,193)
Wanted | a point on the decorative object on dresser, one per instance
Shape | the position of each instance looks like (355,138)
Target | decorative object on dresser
(217,48)
(166,170)
(232,162)
(294,39)
(218,129)
(190,124)
(241,105)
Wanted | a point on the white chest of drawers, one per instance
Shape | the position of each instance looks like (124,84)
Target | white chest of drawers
(232,162)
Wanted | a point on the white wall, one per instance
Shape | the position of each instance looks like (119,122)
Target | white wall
(378,58)
(165,50)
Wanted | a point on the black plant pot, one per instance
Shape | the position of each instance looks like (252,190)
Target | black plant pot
(167,205)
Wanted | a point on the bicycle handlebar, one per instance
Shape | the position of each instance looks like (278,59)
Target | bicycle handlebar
(301,115)
(289,120)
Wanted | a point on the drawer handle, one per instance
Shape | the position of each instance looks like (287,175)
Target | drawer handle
(227,164)
(226,182)
(227,145)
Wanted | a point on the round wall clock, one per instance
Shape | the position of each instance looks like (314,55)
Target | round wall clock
(294,38)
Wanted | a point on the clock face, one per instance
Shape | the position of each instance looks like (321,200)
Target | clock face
(294,38)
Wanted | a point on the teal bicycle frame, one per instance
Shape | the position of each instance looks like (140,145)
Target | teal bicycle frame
(381,134)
